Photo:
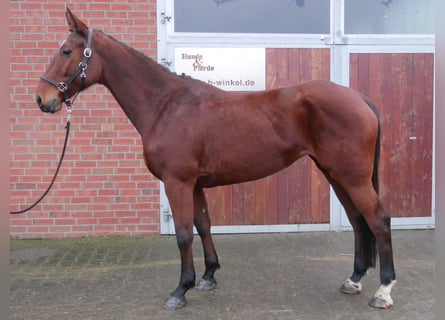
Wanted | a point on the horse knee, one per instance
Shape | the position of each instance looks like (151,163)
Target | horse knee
(184,238)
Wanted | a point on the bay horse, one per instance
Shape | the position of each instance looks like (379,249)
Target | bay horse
(197,136)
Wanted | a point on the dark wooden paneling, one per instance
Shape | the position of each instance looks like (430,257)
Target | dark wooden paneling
(298,194)
(401,86)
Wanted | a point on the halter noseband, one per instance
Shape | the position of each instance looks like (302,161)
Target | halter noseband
(63,86)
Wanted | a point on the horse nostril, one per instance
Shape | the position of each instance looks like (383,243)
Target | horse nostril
(39,100)
(41,104)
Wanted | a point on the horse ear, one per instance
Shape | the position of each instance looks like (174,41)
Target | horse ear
(75,24)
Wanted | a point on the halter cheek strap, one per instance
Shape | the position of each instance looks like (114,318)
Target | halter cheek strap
(83,65)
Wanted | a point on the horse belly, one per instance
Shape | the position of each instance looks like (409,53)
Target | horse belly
(236,165)
(251,146)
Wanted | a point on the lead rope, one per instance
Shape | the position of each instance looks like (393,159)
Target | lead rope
(63,87)
(69,109)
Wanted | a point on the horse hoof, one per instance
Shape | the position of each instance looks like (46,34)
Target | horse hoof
(380,303)
(174,303)
(205,285)
(382,298)
(350,287)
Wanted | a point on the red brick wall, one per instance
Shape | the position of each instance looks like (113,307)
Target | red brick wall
(103,187)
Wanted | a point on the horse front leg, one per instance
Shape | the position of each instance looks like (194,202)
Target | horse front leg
(180,196)
(202,223)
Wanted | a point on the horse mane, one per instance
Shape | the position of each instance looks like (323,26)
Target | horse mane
(145,57)
(184,76)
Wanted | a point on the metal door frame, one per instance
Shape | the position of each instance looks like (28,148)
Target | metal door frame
(341,46)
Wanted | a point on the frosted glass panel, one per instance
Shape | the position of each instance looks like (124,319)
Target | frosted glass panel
(252,16)
(389,16)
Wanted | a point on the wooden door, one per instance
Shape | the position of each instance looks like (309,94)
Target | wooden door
(298,194)
(401,86)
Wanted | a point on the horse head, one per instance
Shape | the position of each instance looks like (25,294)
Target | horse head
(67,73)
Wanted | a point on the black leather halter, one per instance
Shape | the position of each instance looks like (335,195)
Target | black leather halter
(63,86)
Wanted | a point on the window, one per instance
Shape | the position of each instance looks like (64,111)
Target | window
(389,16)
(253,16)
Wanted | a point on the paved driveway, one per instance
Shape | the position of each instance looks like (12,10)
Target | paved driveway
(263,276)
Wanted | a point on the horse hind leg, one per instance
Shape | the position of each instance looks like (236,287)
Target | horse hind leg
(366,201)
(364,243)
(202,224)
(364,254)
(381,226)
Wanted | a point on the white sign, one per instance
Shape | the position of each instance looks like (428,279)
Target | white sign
(235,69)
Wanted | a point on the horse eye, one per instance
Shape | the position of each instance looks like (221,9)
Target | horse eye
(66,52)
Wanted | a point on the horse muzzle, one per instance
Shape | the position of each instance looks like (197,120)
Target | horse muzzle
(51,106)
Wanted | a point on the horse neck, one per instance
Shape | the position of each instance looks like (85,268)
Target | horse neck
(138,83)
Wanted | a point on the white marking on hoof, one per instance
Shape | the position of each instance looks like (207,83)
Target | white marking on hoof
(351,287)
(382,298)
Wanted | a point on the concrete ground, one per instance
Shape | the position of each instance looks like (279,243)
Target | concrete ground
(263,276)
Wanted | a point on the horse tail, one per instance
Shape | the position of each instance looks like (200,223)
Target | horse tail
(375,171)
